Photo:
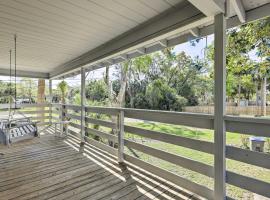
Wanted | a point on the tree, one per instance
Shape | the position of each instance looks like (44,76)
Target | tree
(63,87)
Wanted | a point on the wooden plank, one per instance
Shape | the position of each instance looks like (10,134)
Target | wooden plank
(100,122)
(72,116)
(172,158)
(73,107)
(182,182)
(248,125)
(198,145)
(110,137)
(102,146)
(32,176)
(56,105)
(103,110)
(35,111)
(39,118)
(79,178)
(85,191)
(247,156)
(85,181)
(248,183)
(24,160)
(177,118)
(56,177)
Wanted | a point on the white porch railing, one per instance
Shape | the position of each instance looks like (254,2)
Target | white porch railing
(242,125)
(249,126)
(38,112)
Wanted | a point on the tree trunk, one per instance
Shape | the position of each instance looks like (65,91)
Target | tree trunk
(107,82)
(257,93)
(263,97)
(120,99)
(41,97)
(239,93)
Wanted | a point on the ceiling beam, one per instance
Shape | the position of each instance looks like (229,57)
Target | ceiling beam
(195,32)
(123,56)
(163,43)
(141,50)
(239,9)
(209,7)
(25,74)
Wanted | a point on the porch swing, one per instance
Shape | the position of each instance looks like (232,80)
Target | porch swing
(17,126)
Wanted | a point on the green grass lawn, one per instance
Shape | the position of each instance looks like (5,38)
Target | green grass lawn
(200,134)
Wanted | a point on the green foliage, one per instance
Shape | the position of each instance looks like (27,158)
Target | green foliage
(63,87)
(96,90)
(6,89)
(244,75)
(162,97)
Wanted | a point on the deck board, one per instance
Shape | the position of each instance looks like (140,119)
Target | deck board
(53,168)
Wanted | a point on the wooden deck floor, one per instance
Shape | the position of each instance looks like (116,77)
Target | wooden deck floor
(53,168)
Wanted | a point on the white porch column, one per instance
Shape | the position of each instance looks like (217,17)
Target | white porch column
(82,105)
(50,100)
(120,127)
(220,103)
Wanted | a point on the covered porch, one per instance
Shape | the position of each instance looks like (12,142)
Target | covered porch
(67,162)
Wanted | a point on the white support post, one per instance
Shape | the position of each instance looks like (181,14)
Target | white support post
(82,106)
(120,127)
(63,118)
(220,103)
(50,100)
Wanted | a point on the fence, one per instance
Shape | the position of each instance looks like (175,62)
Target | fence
(230,110)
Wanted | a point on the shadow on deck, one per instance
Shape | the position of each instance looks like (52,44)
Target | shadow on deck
(53,168)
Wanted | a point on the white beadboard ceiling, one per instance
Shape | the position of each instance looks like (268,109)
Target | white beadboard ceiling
(51,33)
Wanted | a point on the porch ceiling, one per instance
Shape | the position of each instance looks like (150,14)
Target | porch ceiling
(59,36)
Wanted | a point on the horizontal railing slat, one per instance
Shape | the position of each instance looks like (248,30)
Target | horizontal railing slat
(73,107)
(100,122)
(35,111)
(174,178)
(101,146)
(247,156)
(102,134)
(55,118)
(5,106)
(248,183)
(172,158)
(247,125)
(56,105)
(78,126)
(103,110)
(77,117)
(177,118)
(198,145)
(40,118)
